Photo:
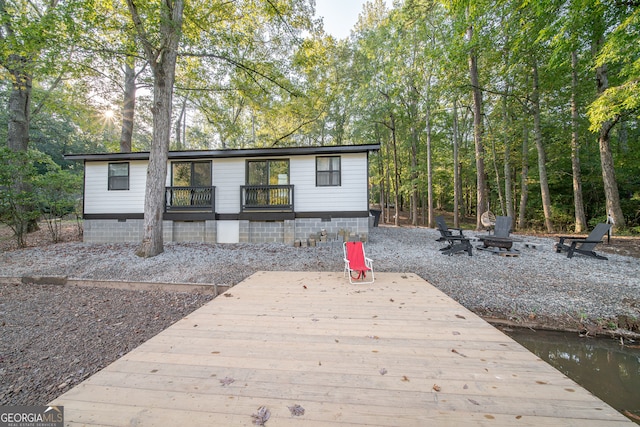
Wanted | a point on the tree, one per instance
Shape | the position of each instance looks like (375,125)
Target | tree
(613,103)
(478,129)
(542,158)
(30,45)
(162,60)
(581,220)
(128,104)
(33,36)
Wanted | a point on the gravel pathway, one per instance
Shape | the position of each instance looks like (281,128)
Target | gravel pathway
(538,283)
(52,337)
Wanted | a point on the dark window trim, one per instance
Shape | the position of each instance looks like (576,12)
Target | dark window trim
(247,161)
(330,172)
(110,185)
(192,162)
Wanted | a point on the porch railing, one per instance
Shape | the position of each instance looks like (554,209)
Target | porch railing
(190,198)
(266,197)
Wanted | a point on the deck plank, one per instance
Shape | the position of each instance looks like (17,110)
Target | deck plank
(396,352)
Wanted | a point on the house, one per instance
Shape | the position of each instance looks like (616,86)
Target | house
(230,196)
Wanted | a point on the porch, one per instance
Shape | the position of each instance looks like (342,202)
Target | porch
(270,198)
(254,198)
(190,199)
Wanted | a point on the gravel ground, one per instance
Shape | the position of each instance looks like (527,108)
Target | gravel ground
(53,337)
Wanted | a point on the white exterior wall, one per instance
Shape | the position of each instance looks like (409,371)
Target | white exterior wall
(228,176)
(351,195)
(97,197)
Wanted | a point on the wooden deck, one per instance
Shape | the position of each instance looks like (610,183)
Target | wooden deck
(395,353)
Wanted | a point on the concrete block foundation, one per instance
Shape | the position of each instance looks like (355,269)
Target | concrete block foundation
(287,231)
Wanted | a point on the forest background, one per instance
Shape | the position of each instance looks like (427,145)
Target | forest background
(527,109)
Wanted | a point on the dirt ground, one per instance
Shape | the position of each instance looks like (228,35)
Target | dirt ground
(70,233)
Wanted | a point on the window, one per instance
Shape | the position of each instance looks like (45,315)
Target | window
(191,174)
(328,171)
(118,176)
(268,172)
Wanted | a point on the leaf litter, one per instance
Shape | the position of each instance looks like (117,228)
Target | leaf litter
(296,410)
(262,416)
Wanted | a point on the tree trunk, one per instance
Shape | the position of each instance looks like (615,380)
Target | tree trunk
(496,171)
(524,177)
(430,213)
(152,241)
(508,183)
(387,179)
(581,221)
(457,184)
(414,172)
(414,178)
(606,159)
(396,178)
(179,125)
(128,105)
(381,171)
(19,108)
(163,65)
(542,162)
(609,177)
(478,131)
(19,121)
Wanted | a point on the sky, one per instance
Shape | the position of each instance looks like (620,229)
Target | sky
(340,15)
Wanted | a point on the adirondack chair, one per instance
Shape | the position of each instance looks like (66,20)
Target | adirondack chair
(456,242)
(581,245)
(356,262)
(502,227)
(500,241)
(445,231)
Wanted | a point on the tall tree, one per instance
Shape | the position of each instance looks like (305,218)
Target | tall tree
(578,203)
(36,42)
(34,36)
(161,56)
(614,210)
(457,183)
(542,158)
(620,47)
(478,129)
(128,104)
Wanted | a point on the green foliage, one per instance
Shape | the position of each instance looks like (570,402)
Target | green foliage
(18,201)
(621,49)
(264,73)
(58,193)
(32,185)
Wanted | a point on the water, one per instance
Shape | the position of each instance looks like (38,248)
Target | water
(603,366)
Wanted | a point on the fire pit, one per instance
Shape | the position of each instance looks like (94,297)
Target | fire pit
(496,242)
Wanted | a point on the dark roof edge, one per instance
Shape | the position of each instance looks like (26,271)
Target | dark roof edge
(248,152)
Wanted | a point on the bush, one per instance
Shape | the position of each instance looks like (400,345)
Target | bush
(32,185)
(56,193)
(18,204)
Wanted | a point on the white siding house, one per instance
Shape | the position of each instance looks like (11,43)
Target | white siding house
(99,199)
(227,196)
(346,197)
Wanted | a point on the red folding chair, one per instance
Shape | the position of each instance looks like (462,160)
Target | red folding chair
(356,263)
